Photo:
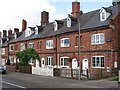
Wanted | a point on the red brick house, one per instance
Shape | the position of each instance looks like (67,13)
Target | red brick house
(57,42)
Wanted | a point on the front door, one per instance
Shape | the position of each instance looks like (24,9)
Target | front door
(37,63)
(74,63)
(85,64)
(42,62)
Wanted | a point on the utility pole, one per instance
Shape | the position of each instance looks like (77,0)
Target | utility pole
(79,47)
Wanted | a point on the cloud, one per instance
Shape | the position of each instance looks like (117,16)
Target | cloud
(13,11)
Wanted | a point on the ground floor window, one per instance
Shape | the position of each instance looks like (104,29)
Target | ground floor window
(11,59)
(31,61)
(49,61)
(3,62)
(64,61)
(98,61)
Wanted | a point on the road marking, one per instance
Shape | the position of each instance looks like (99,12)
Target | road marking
(13,84)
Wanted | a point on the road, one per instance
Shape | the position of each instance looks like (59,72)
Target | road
(20,80)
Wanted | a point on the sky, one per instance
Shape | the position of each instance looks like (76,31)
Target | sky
(12,12)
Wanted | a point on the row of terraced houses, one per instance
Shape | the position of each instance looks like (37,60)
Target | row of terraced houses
(57,43)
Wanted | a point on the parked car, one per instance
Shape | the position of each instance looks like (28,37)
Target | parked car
(2,69)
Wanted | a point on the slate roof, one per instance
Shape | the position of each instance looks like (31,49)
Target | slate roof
(87,21)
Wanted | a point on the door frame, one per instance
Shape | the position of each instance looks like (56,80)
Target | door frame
(87,61)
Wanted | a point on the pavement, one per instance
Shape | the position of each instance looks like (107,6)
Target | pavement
(21,80)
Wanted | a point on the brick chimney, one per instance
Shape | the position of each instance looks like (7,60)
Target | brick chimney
(44,18)
(9,32)
(75,8)
(24,25)
(4,33)
(16,30)
(0,34)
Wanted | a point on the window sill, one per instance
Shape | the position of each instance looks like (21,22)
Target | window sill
(78,46)
(98,44)
(98,67)
(39,49)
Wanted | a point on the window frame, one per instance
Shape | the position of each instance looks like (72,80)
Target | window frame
(95,40)
(2,62)
(3,49)
(31,61)
(12,59)
(23,48)
(49,63)
(63,61)
(63,45)
(10,48)
(49,46)
(96,61)
(30,44)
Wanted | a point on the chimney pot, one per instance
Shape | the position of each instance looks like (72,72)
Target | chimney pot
(9,32)
(16,30)
(0,34)
(44,18)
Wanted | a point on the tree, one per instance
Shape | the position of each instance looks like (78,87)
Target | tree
(26,55)
(116,2)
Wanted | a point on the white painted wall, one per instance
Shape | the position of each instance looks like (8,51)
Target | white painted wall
(46,71)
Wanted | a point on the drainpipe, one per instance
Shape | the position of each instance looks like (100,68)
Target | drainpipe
(56,49)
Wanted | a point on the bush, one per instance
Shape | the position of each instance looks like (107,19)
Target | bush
(8,62)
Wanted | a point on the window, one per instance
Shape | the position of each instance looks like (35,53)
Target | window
(103,15)
(3,62)
(97,39)
(98,61)
(22,46)
(49,61)
(16,47)
(11,47)
(31,45)
(3,51)
(38,45)
(31,61)
(65,42)
(77,41)
(49,44)
(11,59)
(64,61)
(68,22)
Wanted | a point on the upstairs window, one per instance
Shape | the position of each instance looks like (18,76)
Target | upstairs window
(65,42)
(11,47)
(49,44)
(22,46)
(97,39)
(31,45)
(38,45)
(3,51)
(55,26)
(16,47)
(103,15)
(68,22)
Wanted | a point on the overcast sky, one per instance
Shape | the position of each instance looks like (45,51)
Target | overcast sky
(13,11)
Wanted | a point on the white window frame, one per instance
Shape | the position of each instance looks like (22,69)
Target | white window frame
(94,41)
(22,48)
(68,22)
(63,62)
(11,59)
(2,62)
(49,44)
(55,26)
(10,48)
(96,62)
(30,44)
(49,63)
(62,42)
(31,61)
(3,51)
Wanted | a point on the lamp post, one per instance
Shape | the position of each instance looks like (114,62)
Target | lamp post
(79,46)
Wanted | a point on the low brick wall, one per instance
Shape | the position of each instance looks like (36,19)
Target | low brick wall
(11,68)
(25,69)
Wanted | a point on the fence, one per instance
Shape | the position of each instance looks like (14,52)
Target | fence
(11,68)
(85,74)
(46,71)
(25,69)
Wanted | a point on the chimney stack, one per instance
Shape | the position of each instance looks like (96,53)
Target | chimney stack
(24,25)
(75,8)
(44,18)
(0,34)
(9,32)
(16,30)
(4,33)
